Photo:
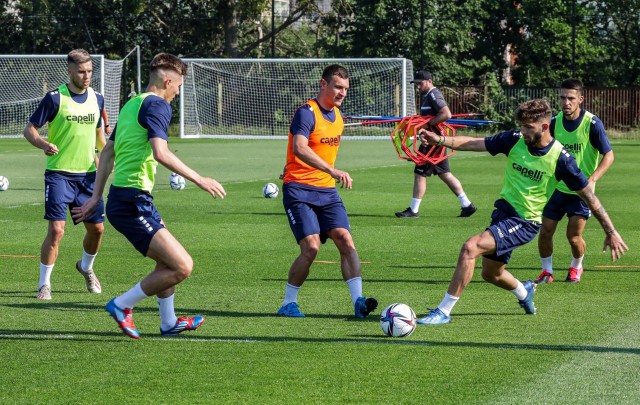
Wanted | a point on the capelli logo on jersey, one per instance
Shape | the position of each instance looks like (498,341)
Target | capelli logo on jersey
(576,147)
(535,175)
(331,141)
(82,119)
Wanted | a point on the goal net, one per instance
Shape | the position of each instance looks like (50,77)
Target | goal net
(256,98)
(25,79)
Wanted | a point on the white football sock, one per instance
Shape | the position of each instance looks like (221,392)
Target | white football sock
(87,261)
(520,292)
(447,304)
(577,263)
(168,316)
(547,263)
(464,202)
(131,297)
(415,204)
(290,294)
(45,274)
(355,288)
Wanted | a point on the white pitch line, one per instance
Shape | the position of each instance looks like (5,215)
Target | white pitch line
(36,336)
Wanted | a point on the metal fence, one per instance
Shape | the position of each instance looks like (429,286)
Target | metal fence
(618,108)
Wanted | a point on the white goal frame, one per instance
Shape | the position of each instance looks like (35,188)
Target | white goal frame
(27,78)
(210,83)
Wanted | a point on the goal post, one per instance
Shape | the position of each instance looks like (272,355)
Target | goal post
(256,98)
(25,79)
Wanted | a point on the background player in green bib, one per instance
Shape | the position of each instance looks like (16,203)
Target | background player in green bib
(583,135)
(73,112)
(136,145)
(535,161)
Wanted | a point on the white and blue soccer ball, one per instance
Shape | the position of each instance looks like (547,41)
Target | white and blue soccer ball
(4,183)
(176,181)
(270,190)
(398,320)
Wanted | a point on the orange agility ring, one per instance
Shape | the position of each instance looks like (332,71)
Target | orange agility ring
(407,143)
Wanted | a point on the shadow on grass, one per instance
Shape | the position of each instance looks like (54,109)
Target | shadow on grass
(24,334)
(76,306)
(372,280)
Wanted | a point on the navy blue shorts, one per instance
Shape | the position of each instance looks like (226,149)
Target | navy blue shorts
(64,190)
(132,213)
(429,169)
(570,204)
(509,231)
(313,210)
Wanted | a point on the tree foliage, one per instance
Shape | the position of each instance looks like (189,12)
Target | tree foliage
(541,42)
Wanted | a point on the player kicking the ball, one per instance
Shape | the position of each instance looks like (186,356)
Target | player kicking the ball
(535,161)
(312,203)
(137,144)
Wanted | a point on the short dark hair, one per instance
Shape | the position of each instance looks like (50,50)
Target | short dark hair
(168,61)
(78,56)
(334,70)
(533,111)
(572,84)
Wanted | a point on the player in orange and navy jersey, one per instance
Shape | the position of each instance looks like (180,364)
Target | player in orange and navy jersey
(311,201)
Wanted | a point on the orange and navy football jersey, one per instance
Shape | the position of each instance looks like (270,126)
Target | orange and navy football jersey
(324,140)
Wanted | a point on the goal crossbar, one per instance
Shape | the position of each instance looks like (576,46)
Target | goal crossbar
(256,98)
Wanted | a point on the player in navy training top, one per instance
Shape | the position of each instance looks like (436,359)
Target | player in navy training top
(434,105)
(584,136)
(73,115)
(535,161)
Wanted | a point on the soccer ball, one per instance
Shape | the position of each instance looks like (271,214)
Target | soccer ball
(270,190)
(4,183)
(398,320)
(176,181)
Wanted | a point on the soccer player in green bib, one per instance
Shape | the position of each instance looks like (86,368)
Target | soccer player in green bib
(73,112)
(535,162)
(137,144)
(583,135)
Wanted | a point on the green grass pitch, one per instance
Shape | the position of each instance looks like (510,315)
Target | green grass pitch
(583,346)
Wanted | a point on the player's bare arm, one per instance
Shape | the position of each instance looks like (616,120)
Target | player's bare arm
(165,157)
(307,155)
(612,239)
(453,142)
(603,166)
(34,138)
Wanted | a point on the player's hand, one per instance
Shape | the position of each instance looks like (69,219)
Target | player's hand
(50,149)
(212,187)
(343,178)
(81,213)
(428,137)
(616,244)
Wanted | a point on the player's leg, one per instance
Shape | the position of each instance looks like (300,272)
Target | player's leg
(298,273)
(509,231)
(466,206)
(419,190)
(554,210)
(301,266)
(139,222)
(48,256)
(474,247)
(59,193)
(173,265)
(306,230)
(495,272)
(90,245)
(94,226)
(545,249)
(575,228)
(351,272)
